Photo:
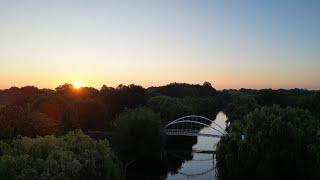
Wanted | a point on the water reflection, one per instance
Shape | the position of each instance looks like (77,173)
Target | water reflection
(178,151)
(181,159)
(207,143)
(201,166)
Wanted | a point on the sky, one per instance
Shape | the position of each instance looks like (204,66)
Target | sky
(232,44)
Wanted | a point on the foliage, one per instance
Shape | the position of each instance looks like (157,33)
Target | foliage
(69,122)
(91,115)
(280,143)
(241,106)
(48,113)
(18,96)
(278,140)
(281,97)
(15,120)
(117,99)
(184,90)
(204,106)
(141,133)
(73,156)
(168,107)
(311,102)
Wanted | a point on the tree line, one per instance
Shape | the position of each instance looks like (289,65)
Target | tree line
(30,111)
(281,128)
(273,134)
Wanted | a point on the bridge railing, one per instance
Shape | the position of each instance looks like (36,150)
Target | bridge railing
(192,124)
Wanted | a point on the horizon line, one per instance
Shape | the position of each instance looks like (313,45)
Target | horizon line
(147,87)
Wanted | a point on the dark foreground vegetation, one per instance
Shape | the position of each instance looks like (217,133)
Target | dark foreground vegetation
(272,135)
(72,156)
(45,134)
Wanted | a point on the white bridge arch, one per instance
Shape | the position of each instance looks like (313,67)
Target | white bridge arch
(191,125)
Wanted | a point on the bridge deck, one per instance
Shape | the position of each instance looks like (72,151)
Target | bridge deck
(188,132)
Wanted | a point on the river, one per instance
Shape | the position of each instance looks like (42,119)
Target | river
(182,160)
(202,165)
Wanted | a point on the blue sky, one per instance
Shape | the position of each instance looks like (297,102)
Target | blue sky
(233,44)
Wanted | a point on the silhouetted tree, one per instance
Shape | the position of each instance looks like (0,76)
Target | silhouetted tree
(240,107)
(117,99)
(141,133)
(278,143)
(15,120)
(184,90)
(168,107)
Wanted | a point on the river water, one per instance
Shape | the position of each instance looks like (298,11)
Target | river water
(182,159)
(201,167)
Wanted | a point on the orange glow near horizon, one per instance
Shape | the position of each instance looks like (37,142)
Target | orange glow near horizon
(78,85)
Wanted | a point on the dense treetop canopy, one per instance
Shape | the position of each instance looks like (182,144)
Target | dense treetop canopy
(279,143)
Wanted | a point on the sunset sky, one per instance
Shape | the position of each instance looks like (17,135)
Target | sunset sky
(232,44)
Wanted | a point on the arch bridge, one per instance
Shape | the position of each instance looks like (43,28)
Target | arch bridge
(191,126)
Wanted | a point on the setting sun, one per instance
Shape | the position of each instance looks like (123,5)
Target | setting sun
(78,85)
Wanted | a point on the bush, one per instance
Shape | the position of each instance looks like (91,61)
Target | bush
(73,156)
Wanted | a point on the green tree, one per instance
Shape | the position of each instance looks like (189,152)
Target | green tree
(168,107)
(241,106)
(184,90)
(117,99)
(15,120)
(73,156)
(311,102)
(141,133)
(279,143)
